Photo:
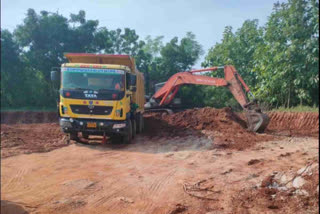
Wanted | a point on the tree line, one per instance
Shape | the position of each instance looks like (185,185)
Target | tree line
(279,61)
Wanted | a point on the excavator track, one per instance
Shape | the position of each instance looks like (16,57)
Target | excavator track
(163,110)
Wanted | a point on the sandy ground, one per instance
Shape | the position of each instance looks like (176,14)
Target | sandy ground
(189,173)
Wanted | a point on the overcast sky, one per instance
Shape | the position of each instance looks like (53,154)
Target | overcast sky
(205,18)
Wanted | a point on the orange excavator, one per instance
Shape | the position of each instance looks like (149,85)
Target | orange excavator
(256,120)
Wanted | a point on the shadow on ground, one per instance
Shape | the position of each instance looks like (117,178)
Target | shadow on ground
(8,207)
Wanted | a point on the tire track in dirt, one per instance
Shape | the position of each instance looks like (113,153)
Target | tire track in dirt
(145,204)
(16,180)
(160,190)
(161,181)
(110,201)
(155,189)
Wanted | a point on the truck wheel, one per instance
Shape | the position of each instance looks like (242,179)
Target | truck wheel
(116,139)
(140,123)
(134,128)
(126,139)
(85,135)
(73,136)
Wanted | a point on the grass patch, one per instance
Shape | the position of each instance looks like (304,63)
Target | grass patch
(34,109)
(298,109)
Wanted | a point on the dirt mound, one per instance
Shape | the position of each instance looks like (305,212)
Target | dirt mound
(28,117)
(226,128)
(29,138)
(294,124)
(155,126)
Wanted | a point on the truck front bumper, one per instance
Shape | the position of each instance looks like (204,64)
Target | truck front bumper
(69,125)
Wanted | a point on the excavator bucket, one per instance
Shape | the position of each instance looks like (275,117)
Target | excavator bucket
(257,121)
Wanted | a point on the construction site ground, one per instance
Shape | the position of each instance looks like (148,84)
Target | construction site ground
(195,161)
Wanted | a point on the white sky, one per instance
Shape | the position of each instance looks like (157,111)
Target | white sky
(205,18)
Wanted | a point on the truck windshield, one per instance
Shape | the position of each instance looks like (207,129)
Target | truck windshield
(93,79)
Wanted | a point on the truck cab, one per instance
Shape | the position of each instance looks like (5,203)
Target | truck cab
(100,94)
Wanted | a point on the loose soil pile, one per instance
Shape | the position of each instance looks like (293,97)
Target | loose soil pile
(226,128)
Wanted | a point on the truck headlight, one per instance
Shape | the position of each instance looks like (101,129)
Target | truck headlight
(65,124)
(119,125)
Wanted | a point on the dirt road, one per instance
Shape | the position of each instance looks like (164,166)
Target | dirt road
(182,168)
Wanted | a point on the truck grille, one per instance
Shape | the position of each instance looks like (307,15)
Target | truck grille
(96,110)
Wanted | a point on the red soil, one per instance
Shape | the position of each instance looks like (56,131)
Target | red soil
(294,124)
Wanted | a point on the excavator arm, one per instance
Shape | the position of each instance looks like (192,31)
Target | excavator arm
(256,120)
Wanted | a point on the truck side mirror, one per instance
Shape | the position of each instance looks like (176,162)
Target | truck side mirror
(133,80)
(54,76)
(55,79)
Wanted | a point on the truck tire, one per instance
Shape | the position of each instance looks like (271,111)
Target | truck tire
(126,139)
(140,123)
(73,136)
(85,135)
(134,128)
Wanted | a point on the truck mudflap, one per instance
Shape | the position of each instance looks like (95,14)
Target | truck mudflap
(93,126)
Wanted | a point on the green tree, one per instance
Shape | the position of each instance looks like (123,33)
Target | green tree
(43,38)
(179,57)
(20,84)
(280,61)
(235,49)
(288,61)
(10,67)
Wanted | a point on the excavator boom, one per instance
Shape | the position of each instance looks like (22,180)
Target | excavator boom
(256,120)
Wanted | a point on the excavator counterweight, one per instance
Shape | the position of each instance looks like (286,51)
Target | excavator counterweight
(256,120)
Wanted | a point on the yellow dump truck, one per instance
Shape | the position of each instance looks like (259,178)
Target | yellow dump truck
(100,94)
